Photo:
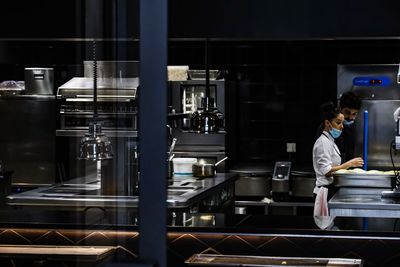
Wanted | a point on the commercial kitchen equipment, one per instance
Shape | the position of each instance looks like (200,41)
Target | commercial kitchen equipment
(27,138)
(363,202)
(254,181)
(186,98)
(189,195)
(207,118)
(365,180)
(360,194)
(8,88)
(39,81)
(117,112)
(201,134)
(377,86)
(253,191)
(95,145)
(302,184)
(280,181)
(112,69)
(202,170)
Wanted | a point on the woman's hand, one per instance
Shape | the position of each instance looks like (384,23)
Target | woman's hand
(356,162)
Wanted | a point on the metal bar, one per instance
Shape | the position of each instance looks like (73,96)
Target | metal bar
(94,83)
(365,140)
(207,70)
(365,224)
(152,132)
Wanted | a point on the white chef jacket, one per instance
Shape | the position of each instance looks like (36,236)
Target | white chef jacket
(325,155)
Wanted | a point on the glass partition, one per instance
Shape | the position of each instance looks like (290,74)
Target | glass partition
(69,158)
(69,110)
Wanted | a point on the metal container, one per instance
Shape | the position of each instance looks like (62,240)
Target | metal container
(302,186)
(204,170)
(39,81)
(363,180)
(10,88)
(240,210)
(254,180)
(253,186)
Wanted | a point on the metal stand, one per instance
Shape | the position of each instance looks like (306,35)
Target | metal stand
(395,193)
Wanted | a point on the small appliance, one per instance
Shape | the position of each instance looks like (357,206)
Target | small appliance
(280,181)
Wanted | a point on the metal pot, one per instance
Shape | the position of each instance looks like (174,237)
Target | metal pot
(206,170)
(302,184)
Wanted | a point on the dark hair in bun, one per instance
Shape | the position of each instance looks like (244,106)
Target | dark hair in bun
(329,111)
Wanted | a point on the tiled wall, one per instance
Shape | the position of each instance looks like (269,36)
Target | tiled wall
(275,88)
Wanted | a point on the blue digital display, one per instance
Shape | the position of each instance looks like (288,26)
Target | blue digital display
(371,81)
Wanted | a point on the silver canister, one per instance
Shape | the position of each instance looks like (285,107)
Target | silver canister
(39,81)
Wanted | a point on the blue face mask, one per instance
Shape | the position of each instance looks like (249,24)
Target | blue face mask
(335,133)
(348,123)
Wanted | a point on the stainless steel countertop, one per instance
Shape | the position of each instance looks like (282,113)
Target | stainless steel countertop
(84,193)
(363,180)
(363,202)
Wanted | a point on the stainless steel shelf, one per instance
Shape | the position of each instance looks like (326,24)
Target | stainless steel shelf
(363,202)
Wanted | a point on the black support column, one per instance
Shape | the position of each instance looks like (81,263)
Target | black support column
(152,132)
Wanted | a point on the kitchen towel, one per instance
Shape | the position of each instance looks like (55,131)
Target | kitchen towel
(321,211)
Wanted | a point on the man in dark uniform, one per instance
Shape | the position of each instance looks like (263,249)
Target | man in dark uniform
(350,105)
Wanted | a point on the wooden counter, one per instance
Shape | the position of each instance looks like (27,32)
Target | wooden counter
(57,253)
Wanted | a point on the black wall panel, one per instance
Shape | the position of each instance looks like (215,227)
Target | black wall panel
(284,19)
(256,19)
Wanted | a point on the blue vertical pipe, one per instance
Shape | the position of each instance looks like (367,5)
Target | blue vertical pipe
(365,223)
(365,155)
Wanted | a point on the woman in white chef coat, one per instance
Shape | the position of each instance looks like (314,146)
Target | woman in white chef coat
(326,155)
